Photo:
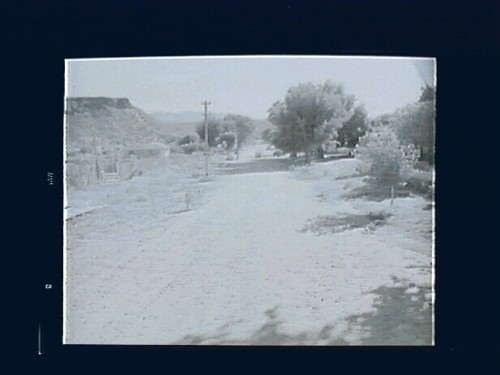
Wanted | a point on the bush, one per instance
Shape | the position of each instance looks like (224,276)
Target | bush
(192,138)
(176,150)
(192,147)
(390,162)
(80,172)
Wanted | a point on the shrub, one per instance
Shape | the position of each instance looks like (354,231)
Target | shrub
(192,147)
(192,138)
(176,150)
(390,162)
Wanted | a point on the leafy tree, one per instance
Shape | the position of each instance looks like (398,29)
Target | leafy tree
(389,160)
(228,139)
(354,128)
(428,94)
(214,130)
(240,126)
(415,124)
(233,129)
(308,116)
(268,135)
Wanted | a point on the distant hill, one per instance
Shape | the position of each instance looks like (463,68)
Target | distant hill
(182,117)
(181,129)
(110,123)
(183,123)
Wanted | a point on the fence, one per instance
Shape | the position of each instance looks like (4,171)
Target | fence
(85,169)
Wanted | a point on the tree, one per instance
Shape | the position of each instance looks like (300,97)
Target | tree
(415,124)
(354,128)
(227,139)
(214,130)
(268,135)
(308,116)
(240,126)
(428,94)
(233,129)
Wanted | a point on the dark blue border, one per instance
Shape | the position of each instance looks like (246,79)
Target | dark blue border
(37,36)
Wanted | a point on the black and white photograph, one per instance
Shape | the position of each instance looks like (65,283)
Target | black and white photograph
(249,200)
(250,187)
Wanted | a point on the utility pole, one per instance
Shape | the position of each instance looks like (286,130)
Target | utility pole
(205,113)
(96,154)
(236,146)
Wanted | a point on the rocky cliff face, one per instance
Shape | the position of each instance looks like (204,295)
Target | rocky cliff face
(109,123)
(91,104)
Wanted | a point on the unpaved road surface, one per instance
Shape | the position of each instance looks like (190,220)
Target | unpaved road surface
(235,268)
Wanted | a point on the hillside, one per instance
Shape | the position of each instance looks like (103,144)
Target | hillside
(181,129)
(109,123)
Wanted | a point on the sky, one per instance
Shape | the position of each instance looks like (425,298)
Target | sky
(246,85)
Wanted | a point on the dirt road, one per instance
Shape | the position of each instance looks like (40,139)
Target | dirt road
(237,269)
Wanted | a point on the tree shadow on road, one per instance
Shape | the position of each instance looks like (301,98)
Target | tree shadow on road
(269,334)
(261,165)
(271,164)
(403,316)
